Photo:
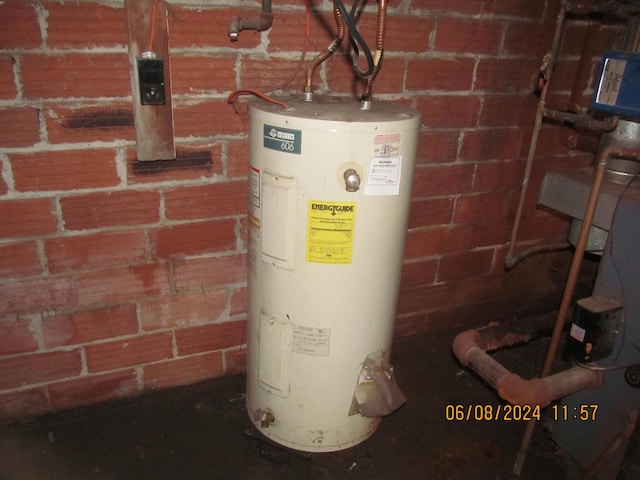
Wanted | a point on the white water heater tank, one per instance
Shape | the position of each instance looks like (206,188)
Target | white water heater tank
(329,190)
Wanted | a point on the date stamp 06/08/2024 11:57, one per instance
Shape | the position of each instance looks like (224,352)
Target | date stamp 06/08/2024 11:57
(507,413)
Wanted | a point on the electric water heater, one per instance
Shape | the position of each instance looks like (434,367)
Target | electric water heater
(329,195)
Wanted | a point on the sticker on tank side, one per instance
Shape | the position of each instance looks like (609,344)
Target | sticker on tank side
(386,144)
(311,340)
(254,239)
(330,228)
(383,177)
(282,139)
(254,186)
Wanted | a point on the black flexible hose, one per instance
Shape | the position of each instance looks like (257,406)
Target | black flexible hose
(356,39)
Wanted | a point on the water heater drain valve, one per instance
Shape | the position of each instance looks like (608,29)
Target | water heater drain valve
(265,417)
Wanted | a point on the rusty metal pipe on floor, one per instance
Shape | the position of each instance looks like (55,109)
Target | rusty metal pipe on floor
(470,348)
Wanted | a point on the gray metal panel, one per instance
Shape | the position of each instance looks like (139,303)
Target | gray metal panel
(568,193)
(618,278)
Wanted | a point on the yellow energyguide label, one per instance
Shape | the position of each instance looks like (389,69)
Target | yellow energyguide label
(330,228)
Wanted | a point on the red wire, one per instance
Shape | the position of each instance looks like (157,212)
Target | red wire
(152,34)
(249,91)
(257,93)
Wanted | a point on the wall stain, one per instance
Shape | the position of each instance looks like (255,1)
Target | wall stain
(101,119)
(185,160)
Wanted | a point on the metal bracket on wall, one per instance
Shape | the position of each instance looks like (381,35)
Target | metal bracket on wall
(150,71)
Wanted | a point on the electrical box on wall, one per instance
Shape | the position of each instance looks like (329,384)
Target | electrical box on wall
(151,81)
(150,71)
(618,85)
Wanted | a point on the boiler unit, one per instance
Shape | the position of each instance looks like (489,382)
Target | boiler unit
(329,191)
(595,404)
(604,335)
(609,341)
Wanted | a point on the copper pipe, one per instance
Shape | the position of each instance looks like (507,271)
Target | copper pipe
(308,88)
(601,166)
(382,24)
(377,58)
(550,61)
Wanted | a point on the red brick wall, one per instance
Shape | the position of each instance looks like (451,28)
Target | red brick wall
(117,276)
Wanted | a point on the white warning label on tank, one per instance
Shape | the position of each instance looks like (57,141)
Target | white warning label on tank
(254,186)
(311,341)
(383,177)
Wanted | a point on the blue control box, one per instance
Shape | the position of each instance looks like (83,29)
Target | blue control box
(617,90)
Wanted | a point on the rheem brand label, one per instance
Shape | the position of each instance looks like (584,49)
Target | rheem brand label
(282,139)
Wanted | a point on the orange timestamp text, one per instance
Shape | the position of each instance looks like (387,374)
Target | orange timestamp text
(491,413)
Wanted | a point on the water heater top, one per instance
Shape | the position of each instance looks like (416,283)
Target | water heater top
(337,109)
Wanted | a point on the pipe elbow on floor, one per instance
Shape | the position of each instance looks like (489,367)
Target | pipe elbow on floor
(518,391)
(464,342)
(470,349)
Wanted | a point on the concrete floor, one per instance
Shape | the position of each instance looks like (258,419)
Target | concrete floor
(200,432)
